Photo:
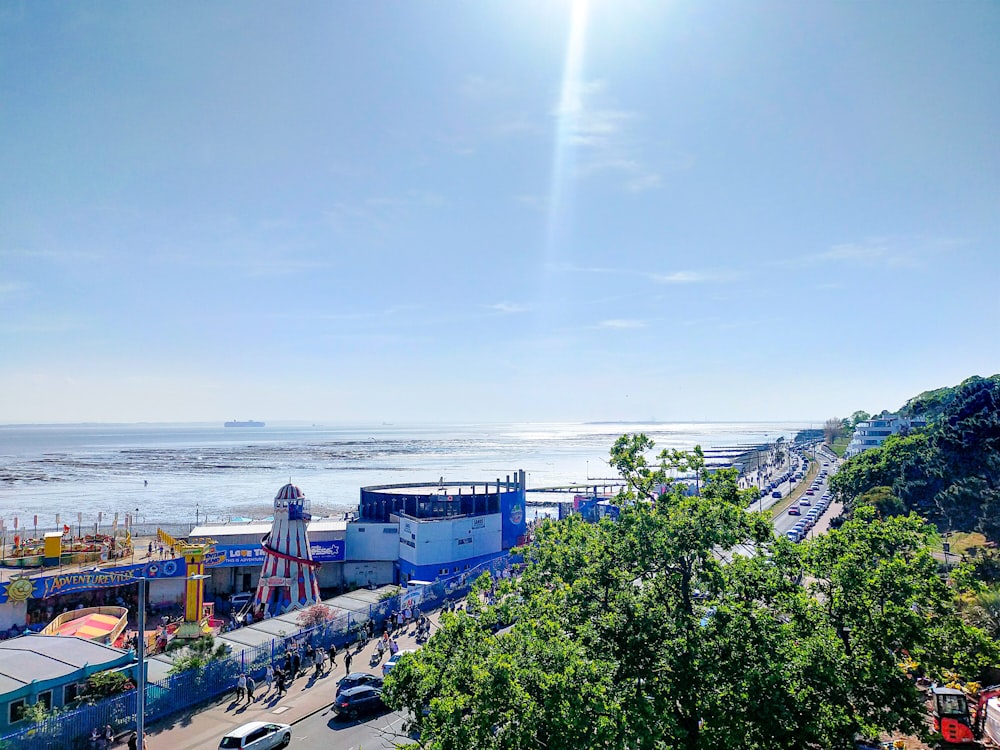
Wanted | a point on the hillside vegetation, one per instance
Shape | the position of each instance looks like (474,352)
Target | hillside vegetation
(949,473)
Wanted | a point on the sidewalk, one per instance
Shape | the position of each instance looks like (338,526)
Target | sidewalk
(204,727)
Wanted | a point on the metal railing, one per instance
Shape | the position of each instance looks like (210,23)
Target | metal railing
(70,729)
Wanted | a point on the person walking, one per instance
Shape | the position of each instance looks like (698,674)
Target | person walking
(347,662)
(133,741)
(250,686)
(241,687)
(296,663)
(333,655)
(268,678)
(280,682)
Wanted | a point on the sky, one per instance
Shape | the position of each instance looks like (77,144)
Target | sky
(495,211)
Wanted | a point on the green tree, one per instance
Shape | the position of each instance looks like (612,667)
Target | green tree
(196,654)
(102,685)
(684,626)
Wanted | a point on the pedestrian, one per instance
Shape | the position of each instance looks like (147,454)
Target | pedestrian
(109,736)
(250,686)
(333,655)
(288,662)
(393,647)
(280,682)
(296,663)
(133,741)
(268,678)
(347,662)
(241,687)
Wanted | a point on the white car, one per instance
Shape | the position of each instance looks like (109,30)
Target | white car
(257,735)
(394,659)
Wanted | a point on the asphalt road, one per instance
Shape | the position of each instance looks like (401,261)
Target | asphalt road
(325,731)
(784,522)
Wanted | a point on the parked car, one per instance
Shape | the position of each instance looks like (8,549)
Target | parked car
(257,735)
(394,659)
(792,535)
(358,678)
(359,701)
(776,494)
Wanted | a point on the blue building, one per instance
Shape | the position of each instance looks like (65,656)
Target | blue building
(449,527)
(50,670)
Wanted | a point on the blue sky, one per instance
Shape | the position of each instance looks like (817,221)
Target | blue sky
(495,211)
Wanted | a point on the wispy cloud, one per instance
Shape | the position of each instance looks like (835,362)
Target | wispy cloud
(480,88)
(11,288)
(377,210)
(673,277)
(604,137)
(508,307)
(693,277)
(891,252)
(621,323)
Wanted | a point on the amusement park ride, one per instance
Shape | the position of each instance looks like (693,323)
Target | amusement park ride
(199,615)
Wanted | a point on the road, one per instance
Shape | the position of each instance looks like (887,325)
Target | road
(784,522)
(325,731)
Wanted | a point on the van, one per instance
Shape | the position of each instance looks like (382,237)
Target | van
(257,735)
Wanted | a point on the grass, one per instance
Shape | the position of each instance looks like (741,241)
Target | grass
(799,490)
(961,542)
(840,444)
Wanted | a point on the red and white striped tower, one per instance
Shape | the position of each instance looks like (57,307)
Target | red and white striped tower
(288,575)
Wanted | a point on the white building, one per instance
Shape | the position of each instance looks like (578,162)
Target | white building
(872,432)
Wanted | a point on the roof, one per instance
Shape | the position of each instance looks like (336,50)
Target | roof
(221,531)
(42,658)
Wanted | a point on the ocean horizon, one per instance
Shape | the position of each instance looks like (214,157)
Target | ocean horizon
(179,472)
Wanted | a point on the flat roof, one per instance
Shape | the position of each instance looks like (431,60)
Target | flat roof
(31,658)
(262,527)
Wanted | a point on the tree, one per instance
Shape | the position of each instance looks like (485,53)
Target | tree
(684,626)
(197,654)
(858,417)
(832,429)
(314,616)
(102,685)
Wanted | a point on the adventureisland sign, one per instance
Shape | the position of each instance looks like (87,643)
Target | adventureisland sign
(43,587)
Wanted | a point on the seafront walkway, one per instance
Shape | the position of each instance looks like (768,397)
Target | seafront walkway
(203,727)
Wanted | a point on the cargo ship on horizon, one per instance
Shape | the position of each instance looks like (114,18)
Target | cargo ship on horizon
(248,423)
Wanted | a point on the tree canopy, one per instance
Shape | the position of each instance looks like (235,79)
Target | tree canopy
(686,625)
(949,473)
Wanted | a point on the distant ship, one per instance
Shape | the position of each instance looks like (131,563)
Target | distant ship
(248,423)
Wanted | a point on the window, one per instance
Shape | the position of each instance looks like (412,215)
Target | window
(15,711)
(361,529)
(71,693)
(45,699)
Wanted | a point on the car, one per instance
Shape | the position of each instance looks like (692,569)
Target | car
(394,659)
(792,535)
(776,494)
(358,678)
(238,601)
(805,502)
(810,491)
(359,700)
(257,735)
(793,510)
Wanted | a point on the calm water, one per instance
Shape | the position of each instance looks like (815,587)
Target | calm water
(220,473)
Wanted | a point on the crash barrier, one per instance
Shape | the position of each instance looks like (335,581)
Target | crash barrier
(70,729)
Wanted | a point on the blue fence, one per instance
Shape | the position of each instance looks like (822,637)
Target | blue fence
(70,730)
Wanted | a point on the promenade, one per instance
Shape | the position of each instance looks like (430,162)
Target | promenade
(205,725)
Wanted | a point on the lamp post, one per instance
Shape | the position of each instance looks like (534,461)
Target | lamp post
(140,696)
(140,649)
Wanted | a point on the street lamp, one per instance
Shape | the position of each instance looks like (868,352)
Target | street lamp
(140,648)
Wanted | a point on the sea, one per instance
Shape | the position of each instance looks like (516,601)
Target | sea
(178,474)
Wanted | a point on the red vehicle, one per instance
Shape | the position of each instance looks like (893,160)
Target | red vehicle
(953,719)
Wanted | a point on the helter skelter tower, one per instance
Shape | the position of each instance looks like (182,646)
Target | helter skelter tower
(288,575)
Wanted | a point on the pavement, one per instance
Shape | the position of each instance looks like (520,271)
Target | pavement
(203,726)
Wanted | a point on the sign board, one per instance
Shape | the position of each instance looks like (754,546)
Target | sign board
(43,587)
(231,555)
